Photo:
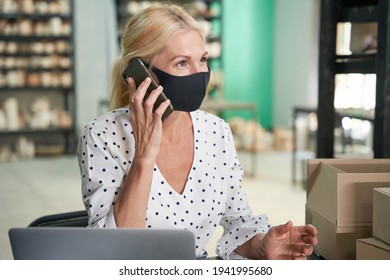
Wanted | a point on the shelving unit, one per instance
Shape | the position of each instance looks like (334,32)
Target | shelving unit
(376,62)
(37,89)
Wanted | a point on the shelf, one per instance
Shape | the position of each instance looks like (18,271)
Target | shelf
(34,54)
(37,69)
(333,12)
(40,17)
(32,38)
(364,64)
(35,131)
(359,114)
(358,3)
(40,88)
(37,75)
(359,14)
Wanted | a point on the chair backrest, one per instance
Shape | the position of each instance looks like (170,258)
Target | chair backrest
(68,219)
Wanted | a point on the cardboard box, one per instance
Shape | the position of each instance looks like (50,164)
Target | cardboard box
(372,249)
(283,139)
(335,243)
(381,214)
(340,201)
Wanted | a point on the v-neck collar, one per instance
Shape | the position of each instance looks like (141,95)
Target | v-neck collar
(188,181)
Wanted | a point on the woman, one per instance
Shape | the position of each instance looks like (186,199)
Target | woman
(138,171)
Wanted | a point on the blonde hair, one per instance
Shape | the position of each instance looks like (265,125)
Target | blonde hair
(145,34)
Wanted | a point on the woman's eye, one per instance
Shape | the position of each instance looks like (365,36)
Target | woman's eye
(204,59)
(181,63)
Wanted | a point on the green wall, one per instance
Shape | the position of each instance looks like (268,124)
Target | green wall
(248,55)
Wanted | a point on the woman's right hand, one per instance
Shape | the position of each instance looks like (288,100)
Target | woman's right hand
(147,126)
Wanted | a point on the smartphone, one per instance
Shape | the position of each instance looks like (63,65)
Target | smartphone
(139,72)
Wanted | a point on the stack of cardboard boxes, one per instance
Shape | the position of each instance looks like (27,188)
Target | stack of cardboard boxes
(378,246)
(340,196)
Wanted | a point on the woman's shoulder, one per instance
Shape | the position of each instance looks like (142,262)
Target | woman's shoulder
(109,118)
(209,118)
(212,126)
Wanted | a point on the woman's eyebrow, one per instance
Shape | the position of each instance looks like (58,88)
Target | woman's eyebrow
(180,56)
(187,56)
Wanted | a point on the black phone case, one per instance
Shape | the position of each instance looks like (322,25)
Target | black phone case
(139,72)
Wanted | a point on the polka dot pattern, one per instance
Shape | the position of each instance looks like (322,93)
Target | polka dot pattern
(212,195)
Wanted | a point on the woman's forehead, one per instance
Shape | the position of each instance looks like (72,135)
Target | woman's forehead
(184,43)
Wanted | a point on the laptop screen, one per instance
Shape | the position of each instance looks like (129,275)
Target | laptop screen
(66,243)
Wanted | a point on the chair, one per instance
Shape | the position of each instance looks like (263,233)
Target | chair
(68,219)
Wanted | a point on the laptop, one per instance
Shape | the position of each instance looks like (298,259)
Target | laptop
(67,243)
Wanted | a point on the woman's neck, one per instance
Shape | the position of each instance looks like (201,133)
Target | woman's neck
(175,125)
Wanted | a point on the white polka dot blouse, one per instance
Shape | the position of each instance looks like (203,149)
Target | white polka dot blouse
(212,195)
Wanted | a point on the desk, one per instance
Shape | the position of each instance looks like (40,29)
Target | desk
(223,105)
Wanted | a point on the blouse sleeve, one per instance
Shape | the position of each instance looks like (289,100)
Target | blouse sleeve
(238,222)
(101,175)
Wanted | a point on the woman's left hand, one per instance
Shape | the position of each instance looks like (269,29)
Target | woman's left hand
(288,242)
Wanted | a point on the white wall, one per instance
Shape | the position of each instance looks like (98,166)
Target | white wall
(96,46)
(295,57)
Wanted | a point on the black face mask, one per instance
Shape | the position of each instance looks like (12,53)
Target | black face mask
(186,93)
